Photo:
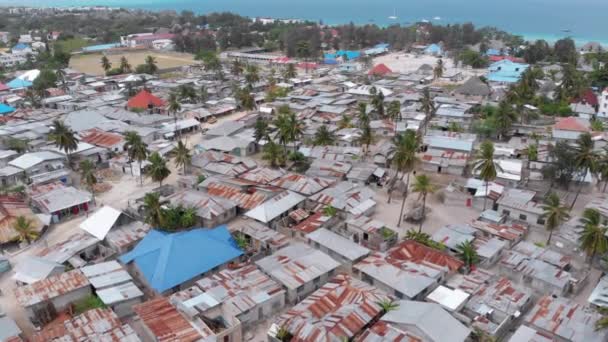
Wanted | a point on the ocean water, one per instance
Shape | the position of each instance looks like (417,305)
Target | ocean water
(547,19)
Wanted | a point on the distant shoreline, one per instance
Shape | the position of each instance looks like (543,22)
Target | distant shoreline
(154,7)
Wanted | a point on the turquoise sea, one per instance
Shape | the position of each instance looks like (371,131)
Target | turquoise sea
(548,19)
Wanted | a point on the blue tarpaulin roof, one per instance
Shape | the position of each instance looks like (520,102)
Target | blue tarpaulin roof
(19,83)
(5,109)
(170,259)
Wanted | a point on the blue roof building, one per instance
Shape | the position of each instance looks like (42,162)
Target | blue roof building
(18,83)
(377,50)
(506,71)
(20,47)
(433,49)
(493,52)
(6,109)
(167,260)
(350,55)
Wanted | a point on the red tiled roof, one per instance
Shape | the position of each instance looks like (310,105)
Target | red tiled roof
(572,124)
(415,252)
(165,322)
(144,99)
(380,69)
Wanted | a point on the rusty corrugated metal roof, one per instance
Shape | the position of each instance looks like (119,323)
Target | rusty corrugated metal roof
(50,288)
(166,323)
(341,308)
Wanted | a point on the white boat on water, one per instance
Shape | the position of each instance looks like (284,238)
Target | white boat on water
(394,16)
(437,18)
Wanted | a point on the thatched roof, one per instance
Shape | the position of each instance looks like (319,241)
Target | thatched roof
(474,86)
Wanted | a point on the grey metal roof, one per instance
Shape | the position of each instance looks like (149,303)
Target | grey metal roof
(426,317)
(338,244)
(296,265)
(8,328)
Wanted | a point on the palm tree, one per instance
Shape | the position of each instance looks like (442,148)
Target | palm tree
(125,67)
(61,75)
(150,63)
(427,106)
(203,94)
(236,69)
(422,186)
(281,123)
(18,145)
(158,169)
(241,240)
(105,64)
(274,154)
(554,214)
(187,92)
(245,99)
(294,128)
(139,152)
(182,156)
(486,166)
(438,70)
(378,103)
(303,51)
(25,230)
(504,118)
(387,305)
(64,138)
(404,161)
(261,130)
(593,236)
(420,237)
(87,174)
(324,137)
(366,138)
(585,160)
(290,72)
(394,110)
(345,122)
(532,152)
(174,107)
(330,211)
(362,115)
(602,323)
(132,138)
(467,252)
(154,214)
(479,335)
(601,169)
(252,75)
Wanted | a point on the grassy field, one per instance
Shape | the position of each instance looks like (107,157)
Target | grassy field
(91,63)
(73,44)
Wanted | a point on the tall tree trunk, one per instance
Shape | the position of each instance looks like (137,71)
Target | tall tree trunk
(405,193)
(485,198)
(578,192)
(549,239)
(423,213)
(141,175)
